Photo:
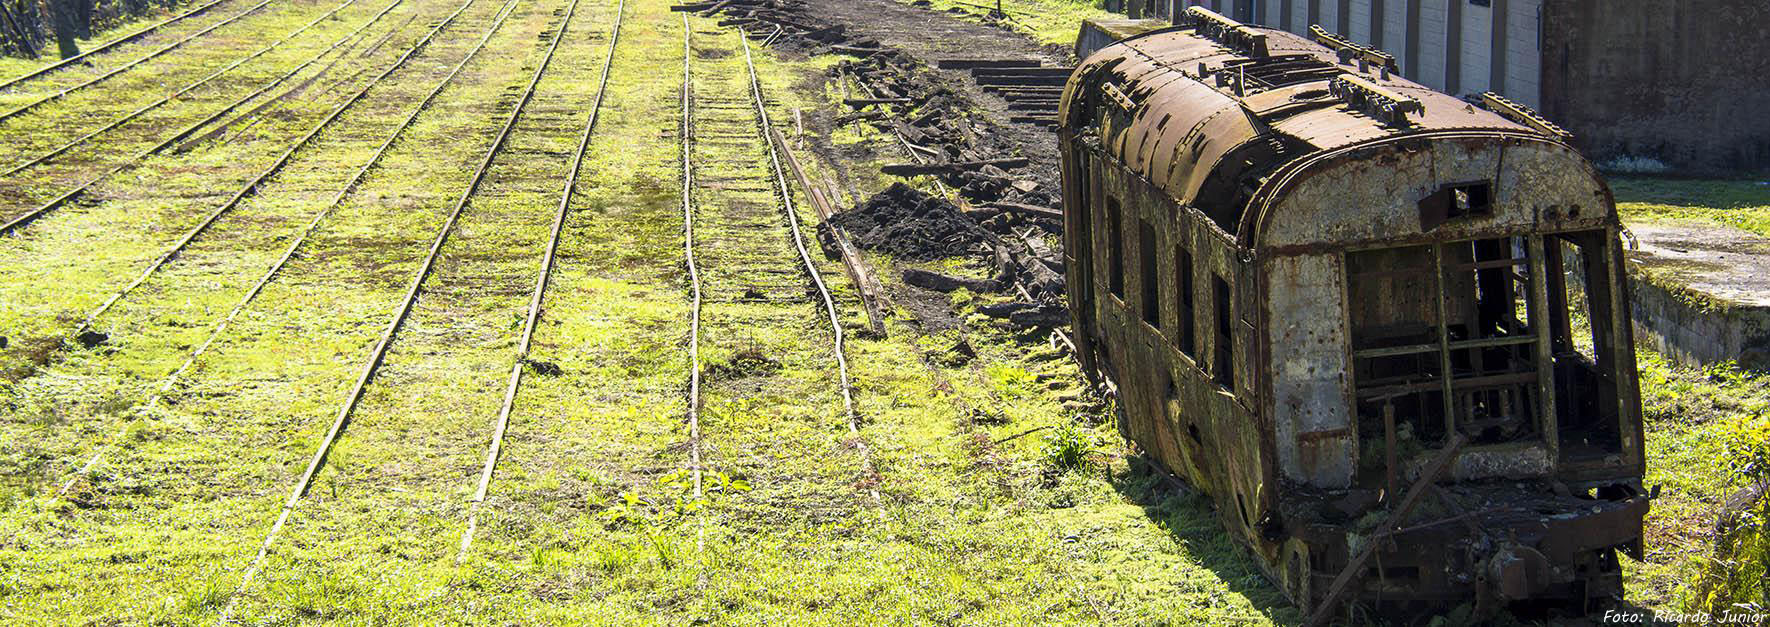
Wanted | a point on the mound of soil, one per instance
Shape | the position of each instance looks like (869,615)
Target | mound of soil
(909,224)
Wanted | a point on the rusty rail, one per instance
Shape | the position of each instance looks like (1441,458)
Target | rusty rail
(30,216)
(379,352)
(865,282)
(138,112)
(694,273)
(337,200)
(823,291)
(252,188)
(81,58)
(541,278)
(130,65)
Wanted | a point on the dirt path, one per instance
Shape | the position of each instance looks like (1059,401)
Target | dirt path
(932,36)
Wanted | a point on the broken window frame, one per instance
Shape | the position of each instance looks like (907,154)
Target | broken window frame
(1223,342)
(1534,385)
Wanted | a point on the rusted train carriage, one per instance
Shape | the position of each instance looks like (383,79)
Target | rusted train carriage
(1385,329)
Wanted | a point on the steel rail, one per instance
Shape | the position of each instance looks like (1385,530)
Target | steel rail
(30,216)
(694,273)
(132,64)
(378,353)
(541,278)
(58,151)
(252,188)
(823,291)
(81,58)
(251,294)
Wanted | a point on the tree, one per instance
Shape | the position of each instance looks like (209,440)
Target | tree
(61,17)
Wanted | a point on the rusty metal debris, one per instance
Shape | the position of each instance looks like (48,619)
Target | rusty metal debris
(1312,282)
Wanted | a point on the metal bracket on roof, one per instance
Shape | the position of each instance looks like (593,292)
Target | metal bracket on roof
(1385,105)
(1349,51)
(1523,115)
(1118,97)
(1226,31)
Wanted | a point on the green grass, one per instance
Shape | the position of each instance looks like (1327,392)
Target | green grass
(1046,21)
(1006,496)
(1741,204)
(18,66)
(1686,410)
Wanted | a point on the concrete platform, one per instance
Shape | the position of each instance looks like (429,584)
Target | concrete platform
(1701,292)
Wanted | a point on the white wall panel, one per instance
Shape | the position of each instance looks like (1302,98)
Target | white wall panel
(1272,11)
(1523,53)
(1395,29)
(1360,23)
(1433,14)
(1477,49)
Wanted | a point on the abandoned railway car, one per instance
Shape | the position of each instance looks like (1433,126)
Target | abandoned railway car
(1384,328)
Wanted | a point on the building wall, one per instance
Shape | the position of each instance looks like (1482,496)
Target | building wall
(1686,83)
(1449,45)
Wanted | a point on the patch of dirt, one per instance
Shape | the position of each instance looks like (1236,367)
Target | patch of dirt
(749,362)
(909,224)
(942,111)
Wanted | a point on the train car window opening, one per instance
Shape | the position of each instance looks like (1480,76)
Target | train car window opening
(1455,200)
(1392,305)
(1115,248)
(1493,343)
(1223,370)
(1588,406)
(1186,338)
(1445,336)
(1149,279)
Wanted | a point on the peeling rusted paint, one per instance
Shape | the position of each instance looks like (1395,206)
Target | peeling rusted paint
(1267,187)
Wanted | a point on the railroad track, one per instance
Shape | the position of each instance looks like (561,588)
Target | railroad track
(83,57)
(744,247)
(533,315)
(252,187)
(427,270)
(14,223)
(61,93)
(180,92)
(223,324)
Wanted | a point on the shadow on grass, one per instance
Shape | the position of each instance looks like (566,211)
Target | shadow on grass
(1191,520)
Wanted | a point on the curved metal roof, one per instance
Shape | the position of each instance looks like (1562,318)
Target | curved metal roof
(1207,111)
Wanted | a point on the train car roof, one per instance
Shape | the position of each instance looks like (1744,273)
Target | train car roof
(1215,99)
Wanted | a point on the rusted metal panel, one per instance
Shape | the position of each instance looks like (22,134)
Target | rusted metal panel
(1277,175)
(1309,385)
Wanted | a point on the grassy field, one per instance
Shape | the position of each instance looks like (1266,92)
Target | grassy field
(590,517)
(1743,204)
(1005,495)
(1689,409)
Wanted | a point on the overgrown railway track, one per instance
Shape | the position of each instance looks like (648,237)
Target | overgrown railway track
(16,222)
(747,261)
(182,91)
(85,327)
(85,57)
(533,315)
(289,254)
(429,278)
(61,93)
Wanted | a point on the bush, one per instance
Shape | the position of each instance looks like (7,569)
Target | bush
(1068,446)
(1735,580)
